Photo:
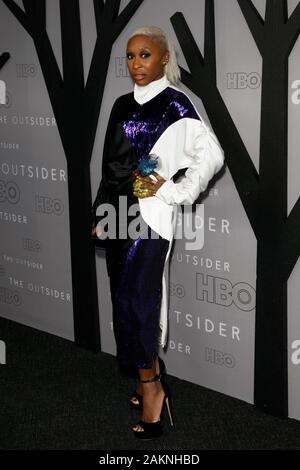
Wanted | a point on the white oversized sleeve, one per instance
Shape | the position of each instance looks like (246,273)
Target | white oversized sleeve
(207,155)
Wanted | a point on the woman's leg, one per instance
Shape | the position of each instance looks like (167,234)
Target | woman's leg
(153,395)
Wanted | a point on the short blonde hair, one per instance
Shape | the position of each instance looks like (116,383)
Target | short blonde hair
(171,69)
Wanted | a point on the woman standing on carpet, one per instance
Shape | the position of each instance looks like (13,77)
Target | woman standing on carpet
(156,118)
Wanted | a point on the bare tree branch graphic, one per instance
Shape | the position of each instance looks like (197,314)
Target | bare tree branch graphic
(4,58)
(76,108)
(263,194)
(202,81)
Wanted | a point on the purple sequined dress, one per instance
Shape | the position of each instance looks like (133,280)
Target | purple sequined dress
(135,270)
(135,267)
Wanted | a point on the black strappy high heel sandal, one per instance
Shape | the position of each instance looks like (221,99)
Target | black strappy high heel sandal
(154,429)
(138,403)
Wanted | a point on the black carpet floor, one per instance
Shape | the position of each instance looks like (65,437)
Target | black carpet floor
(55,395)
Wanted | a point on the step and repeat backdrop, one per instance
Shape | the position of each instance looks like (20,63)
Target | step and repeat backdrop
(35,269)
(212,290)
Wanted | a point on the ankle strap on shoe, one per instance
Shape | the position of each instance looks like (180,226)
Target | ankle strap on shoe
(153,379)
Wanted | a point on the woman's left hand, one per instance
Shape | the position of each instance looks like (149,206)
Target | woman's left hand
(145,186)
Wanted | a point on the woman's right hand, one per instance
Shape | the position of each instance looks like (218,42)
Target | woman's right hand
(143,186)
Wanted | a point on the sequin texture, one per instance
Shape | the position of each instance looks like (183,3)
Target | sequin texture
(136,289)
(135,267)
(147,123)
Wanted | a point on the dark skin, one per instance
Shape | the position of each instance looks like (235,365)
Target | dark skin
(145,61)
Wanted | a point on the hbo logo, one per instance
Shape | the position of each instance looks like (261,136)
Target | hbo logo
(26,70)
(219,358)
(48,205)
(240,80)
(32,245)
(177,289)
(9,192)
(8,296)
(220,291)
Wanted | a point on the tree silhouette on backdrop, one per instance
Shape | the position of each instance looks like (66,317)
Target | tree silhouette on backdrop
(3,59)
(76,108)
(263,195)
